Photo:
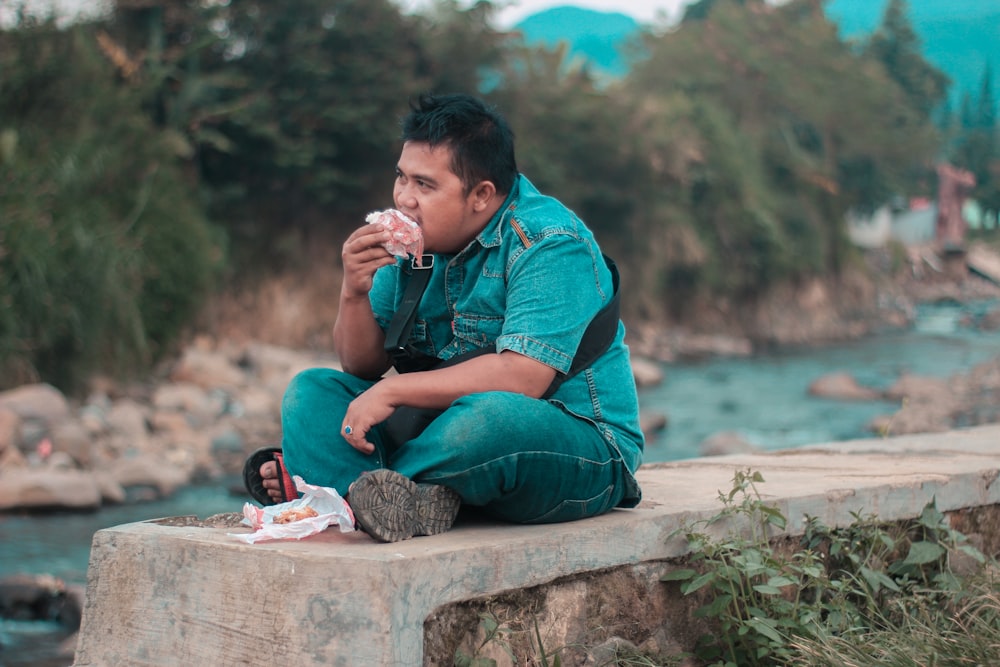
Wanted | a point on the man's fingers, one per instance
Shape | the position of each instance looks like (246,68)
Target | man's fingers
(364,240)
(363,446)
(355,437)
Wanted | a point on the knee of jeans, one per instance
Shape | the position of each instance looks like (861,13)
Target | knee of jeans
(299,385)
(307,384)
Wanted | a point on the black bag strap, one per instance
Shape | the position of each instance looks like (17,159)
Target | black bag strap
(597,337)
(404,317)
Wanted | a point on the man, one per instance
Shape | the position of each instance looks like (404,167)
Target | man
(515,273)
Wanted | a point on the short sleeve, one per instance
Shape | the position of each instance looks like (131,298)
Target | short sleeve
(555,288)
(383,294)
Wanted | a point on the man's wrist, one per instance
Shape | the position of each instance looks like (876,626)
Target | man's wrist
(350,299)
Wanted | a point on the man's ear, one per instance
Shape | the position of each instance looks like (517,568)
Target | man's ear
(482,195)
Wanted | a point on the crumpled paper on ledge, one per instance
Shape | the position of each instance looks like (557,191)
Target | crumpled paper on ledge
(330,509)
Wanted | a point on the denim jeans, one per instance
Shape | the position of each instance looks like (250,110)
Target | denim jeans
(517,458)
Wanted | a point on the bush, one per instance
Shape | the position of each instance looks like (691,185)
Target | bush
(104,254)
(859,588)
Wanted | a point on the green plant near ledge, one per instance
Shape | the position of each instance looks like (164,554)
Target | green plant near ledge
(499,634)
(494,633)
(762,600)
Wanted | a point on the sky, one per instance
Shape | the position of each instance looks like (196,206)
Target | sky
(644,11)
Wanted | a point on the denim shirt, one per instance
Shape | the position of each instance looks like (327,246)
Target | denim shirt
(530,283)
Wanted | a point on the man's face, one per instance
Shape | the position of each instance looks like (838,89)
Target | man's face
(429,192)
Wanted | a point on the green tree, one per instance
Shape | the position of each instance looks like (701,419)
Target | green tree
(789,130)
(977,147)
(700,10)
(105,255)
(460,49)
(290,113)
(323,89)
(897,46)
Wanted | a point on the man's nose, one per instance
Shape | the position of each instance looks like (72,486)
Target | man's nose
(405,197)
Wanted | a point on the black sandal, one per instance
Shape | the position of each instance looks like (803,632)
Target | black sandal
(255,483)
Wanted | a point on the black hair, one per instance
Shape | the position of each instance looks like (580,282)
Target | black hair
(481,141)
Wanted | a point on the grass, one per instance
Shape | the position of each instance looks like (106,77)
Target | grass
(962,632)
(843,596)
(872,593)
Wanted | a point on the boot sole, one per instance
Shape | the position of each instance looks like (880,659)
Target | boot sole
(391,507)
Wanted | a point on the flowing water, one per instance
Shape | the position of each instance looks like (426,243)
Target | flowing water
(764,398)
(59,544)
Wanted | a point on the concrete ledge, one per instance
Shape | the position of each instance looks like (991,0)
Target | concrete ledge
(167,595)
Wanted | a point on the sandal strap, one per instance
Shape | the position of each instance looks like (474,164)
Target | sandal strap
(288,490)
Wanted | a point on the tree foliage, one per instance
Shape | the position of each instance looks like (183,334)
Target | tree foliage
(976,145)
(721,166)
(896,45)
(789,129)
(104,253)
(291,111)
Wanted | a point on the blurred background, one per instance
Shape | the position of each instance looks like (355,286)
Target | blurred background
(159,155)
(796,194)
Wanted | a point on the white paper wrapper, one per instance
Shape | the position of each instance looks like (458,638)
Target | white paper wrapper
(330,509)
(407,237)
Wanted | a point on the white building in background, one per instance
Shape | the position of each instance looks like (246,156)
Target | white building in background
(870,231)
(914,225)
(911,226)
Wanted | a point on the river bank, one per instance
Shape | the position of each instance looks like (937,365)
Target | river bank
(197,417)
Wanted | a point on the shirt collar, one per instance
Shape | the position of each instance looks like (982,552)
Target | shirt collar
(490,236)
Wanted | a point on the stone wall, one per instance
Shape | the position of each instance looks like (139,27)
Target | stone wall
(595,618)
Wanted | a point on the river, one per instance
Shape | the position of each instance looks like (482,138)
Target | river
(764,398)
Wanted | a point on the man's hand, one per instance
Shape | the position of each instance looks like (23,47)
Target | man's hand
(368,409)
(363,254)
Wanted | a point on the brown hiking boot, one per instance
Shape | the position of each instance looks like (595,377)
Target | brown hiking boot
(391,507)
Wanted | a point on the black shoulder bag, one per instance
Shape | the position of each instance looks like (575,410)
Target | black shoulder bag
(407,422)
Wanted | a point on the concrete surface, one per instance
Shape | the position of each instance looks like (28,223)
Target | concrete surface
(167,595)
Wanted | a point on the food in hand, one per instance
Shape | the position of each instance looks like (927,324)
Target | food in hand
(295,514)
(407,237)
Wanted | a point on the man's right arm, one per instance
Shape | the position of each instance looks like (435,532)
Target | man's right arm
(357,339)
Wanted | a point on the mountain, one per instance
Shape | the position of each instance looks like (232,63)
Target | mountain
(594,36)
(960,37)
